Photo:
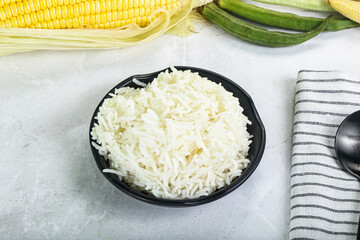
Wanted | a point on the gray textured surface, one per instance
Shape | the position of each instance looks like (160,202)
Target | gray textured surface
(50,185)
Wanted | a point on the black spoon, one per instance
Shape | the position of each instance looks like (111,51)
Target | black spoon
(347,146)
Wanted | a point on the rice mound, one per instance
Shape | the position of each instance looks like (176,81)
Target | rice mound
(180,137)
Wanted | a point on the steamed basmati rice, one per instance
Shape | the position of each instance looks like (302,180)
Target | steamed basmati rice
(180,137)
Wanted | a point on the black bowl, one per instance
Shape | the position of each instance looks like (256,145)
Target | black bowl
(256,129)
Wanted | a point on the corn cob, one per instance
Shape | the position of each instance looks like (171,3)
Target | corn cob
(67,14)
(348,8)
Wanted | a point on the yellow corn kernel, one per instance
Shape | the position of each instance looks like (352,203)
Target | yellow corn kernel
(48,3)
(104,18)
(27,19)
(7,23)
(40,16)
(114,15)
(44,25)
(87,20)
(76,23)
(76,10)
(33,18)
(152,4)
(2,14)
(120,5)
(50,25)
(70,11)
(20,8)
(64,12)
(147,12)
(43,4)
(57,24)
(53,13)
(47,15)
(55,3)
(107,4)
(103,6)
(7,11)
(92,7)
(142,12)
(118,24)
(120,15)
(97,18)
(14,22)
(114,5)
(92,19)
(32,5)
(21,21)
(14,10)
(97,7)
(2,24)
(136,12)
(26,7)
(87,8)
(125,4)
(131,13)
(62,23)
(109,16)
(58,12)
(81,21)
(125,15)
(37,5)
(69,23)
(82,9)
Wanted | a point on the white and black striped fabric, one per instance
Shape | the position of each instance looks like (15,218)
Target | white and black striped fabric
(325,200)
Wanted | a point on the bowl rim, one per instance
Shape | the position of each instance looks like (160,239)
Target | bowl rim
(183,202)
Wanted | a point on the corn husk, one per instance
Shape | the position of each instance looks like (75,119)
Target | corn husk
(14,40)
(187,26)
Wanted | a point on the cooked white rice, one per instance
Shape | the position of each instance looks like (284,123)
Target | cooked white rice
(182,136)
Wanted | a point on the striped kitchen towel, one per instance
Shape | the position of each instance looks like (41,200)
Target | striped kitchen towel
(325,200)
